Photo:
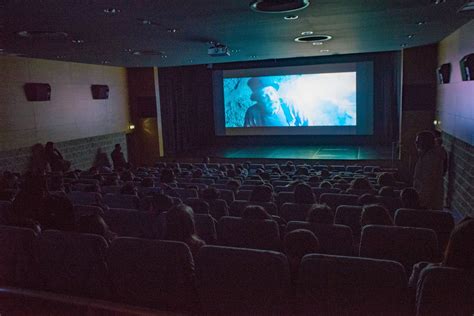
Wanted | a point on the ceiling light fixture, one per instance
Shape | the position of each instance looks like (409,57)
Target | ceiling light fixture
(324,51)
(105,62)
(171,30)
(280,6)
(419,23)
(313,38)
(307,33)
(317,43)
(77,41)
(411,36)
(111,11)
(403,45)
(290,17)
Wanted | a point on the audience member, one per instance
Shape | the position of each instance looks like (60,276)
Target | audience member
(58,213)
(129,188)
(297,244)
(386,179)
(366,199)
(320,214)
(180,227)
(233,185)
(304,194)
(386,191)
(197,173)
(29,202)
(55,159)
(167,176)
(95,224)
(148,182)
(410,198)
(375,214)
(210,194)
(261,193)
(361,184)
(255,212)
(314,181)
(38,163)
(160,203)
(102,160)
(56,183)
(325,173)
(325,185)
(429,172)
(441,150)
(118,158)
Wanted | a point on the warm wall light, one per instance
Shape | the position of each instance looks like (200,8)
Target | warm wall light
(131,127)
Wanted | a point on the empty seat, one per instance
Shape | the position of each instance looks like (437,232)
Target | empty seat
(445,291)
(131,223)
(257,234)
(349,216)
(237,207)
(294,211)
(333,239)
(333,200)
(206,228)
(242,281)
(336,285)
(152,273)
(72,263)
(121,201)
(84,198)
(406,245)
(16,261)
(440,221)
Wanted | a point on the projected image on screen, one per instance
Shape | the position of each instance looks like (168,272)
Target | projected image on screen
(323,99)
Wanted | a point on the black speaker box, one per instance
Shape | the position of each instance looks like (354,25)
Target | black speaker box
(100,91)
(37,91)
(467,67)
(444,73)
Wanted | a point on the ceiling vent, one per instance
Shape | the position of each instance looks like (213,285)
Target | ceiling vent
(313,38)
(147,52)
(278,6)
(46,35)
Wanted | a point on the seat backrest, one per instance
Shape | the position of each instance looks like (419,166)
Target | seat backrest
(218,208)
(391,203)
(319,191)
(406,245)
(199,206)
(349,216)
(131,223)
(16,261)
(242,281)
(186,193)
(285,197)
(110,189)
(152,273)
(256,234)
(5,207)
(72,263)
(84,198)
(121,201)
(440,221)
(336,285)
(86,210)
(243,195)
(206,228)
(333,200)
(333,239)
(227,195)
(294,212)
(445,291)
(237,207)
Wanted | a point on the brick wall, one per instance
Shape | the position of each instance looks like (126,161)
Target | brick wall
(81,152)
(459,183)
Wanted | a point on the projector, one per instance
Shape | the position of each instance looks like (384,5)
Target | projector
(218,51)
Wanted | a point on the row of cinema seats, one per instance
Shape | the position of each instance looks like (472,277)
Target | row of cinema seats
(164,275)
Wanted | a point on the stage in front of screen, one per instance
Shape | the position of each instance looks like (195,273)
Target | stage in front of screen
(301,152)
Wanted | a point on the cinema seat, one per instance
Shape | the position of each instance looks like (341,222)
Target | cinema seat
(206,228)
(391,203)
(121,201)
(333,200)
(445,291)
(152,273)
(285,197)
(72,263)
(218,208)
(111,189)
(349,216)
(294,212)
(242,281)
(336,285)
(406,245)
(243,195)
(84,198)
(16,260)
(256,234)
(87,210)
(237,207)
(440,221)
(131,223)
(4,211)
(227,195)
(319,191)
(333,239)
(199,206)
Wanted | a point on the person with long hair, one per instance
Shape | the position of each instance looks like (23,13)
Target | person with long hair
(180,227)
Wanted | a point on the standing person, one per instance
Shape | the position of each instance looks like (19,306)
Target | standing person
(269,109)
(429,171)
(55,159)
(118,158)
(441,150)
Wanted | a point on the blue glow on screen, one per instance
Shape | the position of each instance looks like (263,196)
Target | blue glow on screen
(323,99)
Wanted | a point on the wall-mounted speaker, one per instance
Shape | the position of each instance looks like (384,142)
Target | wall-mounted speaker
(467,67)
(37,91)
(100,91)
(444,73)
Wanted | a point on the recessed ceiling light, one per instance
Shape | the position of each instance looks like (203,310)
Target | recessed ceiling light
(420,23)
(410,36)
(164,56)
(317,43)
(291,17)
(111,11)
(307,33)
(60,56)
(78,41)
(313,38)
(105,62)
(235,50)
(253,56)
(272,6)
(403,45)
(146,22)
(128,50)
(436,2)
(324,51)
(171,30)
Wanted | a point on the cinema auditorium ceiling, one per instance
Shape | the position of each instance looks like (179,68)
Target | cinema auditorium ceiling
(169,33)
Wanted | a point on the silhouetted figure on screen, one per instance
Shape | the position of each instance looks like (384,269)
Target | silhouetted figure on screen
(269,109)
(118,158)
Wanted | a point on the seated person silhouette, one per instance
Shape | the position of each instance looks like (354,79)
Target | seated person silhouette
(269,109)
